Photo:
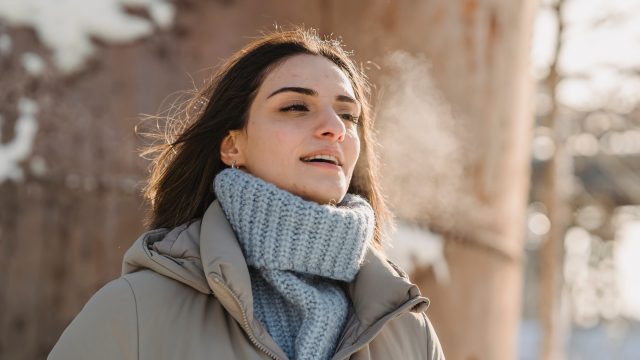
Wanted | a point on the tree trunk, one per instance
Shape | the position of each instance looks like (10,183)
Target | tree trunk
(64,231)
(479,51)
(551,252)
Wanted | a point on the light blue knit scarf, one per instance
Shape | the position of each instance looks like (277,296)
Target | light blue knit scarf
(295,250)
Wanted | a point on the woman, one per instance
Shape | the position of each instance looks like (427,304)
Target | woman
(266,217)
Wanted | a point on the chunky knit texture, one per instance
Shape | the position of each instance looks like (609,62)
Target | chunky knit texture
(296,250)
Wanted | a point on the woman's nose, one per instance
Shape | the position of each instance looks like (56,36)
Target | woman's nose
(330,126)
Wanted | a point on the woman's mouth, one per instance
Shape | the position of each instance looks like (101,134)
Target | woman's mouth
(328,159)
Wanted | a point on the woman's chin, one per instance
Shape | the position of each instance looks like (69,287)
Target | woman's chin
(319,188)
(325,196)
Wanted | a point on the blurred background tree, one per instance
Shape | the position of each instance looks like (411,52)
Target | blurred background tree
(582,219)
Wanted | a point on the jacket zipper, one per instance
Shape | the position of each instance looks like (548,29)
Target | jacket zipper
(246,327)
(246,322)
(376,327)
(369,338)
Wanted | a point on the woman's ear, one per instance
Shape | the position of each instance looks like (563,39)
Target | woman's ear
(230,150)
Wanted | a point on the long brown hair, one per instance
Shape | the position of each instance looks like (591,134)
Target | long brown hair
(184,166)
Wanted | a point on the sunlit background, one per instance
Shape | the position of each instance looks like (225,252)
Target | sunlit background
(594,48)
(509,135)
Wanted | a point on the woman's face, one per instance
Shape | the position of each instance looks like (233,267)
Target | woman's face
(302,131)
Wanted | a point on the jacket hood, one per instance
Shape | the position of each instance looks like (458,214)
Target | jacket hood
(206,256)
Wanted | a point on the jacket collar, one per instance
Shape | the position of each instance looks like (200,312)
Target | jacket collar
(206,256)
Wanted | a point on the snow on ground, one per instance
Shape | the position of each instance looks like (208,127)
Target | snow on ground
(617,340)
(33,63)
(20,147)
(413,246)
(67,26)
(626,255)
(5,44)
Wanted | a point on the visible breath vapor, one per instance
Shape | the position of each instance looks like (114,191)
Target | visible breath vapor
(422,145)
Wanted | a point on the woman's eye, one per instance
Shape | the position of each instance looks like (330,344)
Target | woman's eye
(295,107)
(349,117)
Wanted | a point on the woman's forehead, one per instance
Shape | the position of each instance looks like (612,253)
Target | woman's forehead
(309,71)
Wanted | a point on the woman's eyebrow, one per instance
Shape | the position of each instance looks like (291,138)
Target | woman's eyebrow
(345,98)
(311,92)
(299,90)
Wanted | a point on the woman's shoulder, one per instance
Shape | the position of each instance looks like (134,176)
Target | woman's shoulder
(130,314)
(106,325)
(123,294)
(154,292)
(149,281)
(417,331)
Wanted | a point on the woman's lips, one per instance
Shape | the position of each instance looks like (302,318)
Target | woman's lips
(324,154)
(323,165)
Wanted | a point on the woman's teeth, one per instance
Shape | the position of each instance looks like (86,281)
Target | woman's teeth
(322,158)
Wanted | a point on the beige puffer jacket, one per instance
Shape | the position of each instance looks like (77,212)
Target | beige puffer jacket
(186,294)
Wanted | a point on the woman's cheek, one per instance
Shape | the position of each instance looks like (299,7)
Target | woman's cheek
(354,148)
(283,142)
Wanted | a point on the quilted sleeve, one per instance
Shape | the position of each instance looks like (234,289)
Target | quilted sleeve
(106,328)
(433,344)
